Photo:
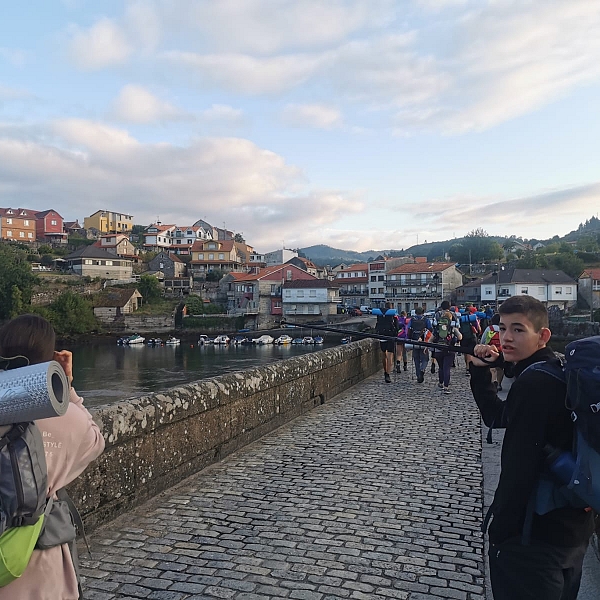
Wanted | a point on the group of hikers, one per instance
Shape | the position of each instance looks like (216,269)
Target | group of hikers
(546,505)
(451,326)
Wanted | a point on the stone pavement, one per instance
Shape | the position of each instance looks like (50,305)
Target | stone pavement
(376,494)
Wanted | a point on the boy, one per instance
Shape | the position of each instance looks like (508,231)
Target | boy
(548,567)
(387,324)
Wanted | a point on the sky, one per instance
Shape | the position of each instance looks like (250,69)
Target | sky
(362,124)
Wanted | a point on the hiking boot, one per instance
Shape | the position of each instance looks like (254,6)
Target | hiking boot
(433,367)
(387,377)
(446,390)
(420,379)
(441,385)
(398,367)
(405,366)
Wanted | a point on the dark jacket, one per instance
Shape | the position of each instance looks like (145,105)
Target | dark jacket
(534,415)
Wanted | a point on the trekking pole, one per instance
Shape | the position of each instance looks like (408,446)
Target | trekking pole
(388,338)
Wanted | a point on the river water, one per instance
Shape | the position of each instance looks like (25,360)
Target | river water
(105,372)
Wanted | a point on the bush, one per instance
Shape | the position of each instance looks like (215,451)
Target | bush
(70,314)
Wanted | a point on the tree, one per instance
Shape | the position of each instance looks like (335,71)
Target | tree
(17,306)
(215,275)
(71,314)
(238,238)
(149,288)
(15,271)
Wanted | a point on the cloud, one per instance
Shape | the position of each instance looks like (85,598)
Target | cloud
(14,56)
(10,93)
(223,112)
(75,165)
(135,104)
(266,27)
(318,116)
(102,45)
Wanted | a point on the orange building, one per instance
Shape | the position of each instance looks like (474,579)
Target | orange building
(18,224)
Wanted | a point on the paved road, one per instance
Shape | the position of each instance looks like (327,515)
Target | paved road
(376,494)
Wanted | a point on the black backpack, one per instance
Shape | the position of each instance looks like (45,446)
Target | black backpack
(387,324)
(466,328)
(417,328)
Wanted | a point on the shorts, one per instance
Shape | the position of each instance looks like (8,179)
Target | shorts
(387,346)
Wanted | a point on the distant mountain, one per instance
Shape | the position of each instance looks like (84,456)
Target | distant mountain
(326,255)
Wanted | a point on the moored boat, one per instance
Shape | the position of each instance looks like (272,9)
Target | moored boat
(221,340)
(283,339)
(297,340)
(204,339)
(263,339)
(307,339)
(172,341)
(239,339)
(318,339)
(135,339)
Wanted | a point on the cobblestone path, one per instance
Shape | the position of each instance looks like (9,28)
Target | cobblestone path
(376,494)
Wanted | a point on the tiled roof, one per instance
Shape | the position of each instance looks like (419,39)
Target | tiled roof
(594,273)
(92,252)
(16,212)
(222,246)
(543,276)
(357,267)
(436,267)
(114,297)
(310,283)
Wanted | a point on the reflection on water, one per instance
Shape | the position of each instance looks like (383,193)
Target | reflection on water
(104,373)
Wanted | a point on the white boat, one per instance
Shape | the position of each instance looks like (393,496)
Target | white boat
(318,339)
(172,341)
(283,339)
(307,340)
(135,339)
(263,339)
(221,339)
(204,339)
(297,340)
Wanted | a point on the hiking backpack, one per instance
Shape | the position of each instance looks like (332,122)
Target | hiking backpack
(573,478)
(494,338)
(417,328)
(387,324)
(467,328)
(443,328)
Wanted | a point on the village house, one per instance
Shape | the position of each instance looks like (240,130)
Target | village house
(353,284)
(106,221)
(552,287)
(168,263)
(469,292)
(421,284)
(377,271)
(117,244)
(18,224)
(308,265)
(74,228)
(209,255)
(260,294)
(158,237)
(95,262)
(113,303)
(49,227)
(310,297)
(589,287)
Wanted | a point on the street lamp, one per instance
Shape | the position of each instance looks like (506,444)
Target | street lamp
(435,280)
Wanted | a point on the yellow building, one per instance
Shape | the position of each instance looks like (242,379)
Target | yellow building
(106,221)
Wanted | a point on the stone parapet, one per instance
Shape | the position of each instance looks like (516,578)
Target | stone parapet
(156,441)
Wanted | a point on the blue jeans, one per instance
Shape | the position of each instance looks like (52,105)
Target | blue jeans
(421,358)
(444,360)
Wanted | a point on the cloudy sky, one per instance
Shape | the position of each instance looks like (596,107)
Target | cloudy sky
(363,124)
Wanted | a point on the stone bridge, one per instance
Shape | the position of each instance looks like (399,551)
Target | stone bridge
(340,486)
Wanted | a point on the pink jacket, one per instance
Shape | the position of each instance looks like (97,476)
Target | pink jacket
(72,442)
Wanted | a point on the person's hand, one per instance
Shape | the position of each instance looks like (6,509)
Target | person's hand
(65,359)
(489,353)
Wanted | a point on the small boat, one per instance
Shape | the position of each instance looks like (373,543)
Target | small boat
(204,339)
(135,339)
(318,339)
(283,339)
(155,342)
(346,340)
(172,341)
(221,340)
(307,339)
(298,341)
(239,339)
(263,340)
(122,341)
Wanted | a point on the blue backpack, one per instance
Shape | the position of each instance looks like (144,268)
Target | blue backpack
(573,478)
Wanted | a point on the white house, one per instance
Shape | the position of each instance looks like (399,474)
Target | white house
(552,287)
(312,297)
(158,236)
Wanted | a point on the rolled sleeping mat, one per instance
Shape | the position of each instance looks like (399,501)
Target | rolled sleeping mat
(33,392)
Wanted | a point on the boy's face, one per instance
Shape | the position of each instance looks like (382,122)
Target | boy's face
(519,338)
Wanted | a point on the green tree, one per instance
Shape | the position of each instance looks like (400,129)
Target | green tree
(238,238)
(215,275)
(15,271)
(17,306)
(71,314)
(149,288)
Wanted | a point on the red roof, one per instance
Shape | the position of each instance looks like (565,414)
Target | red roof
(421,268)
(593,273)
(274,273)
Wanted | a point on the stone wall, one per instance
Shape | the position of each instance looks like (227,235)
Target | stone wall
(156,441)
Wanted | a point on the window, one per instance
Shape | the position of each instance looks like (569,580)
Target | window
(569,291)
(200,256)
(373,278)
(392,278)
(373,290)
(381,278)
(21,234)
(413,275)
(9,234)
(9,221)
(26,222)
(87,261)
(313,293)
(161,265)
(212,246)
(488,292)
(221,256)
(288,293)
(300,293)
(288,275)
(109,263)
(30,235)
(559,290)
(273,288)
(524,290)
(311,308)
(541,291)
(179,241)
(380,290)
(211,256)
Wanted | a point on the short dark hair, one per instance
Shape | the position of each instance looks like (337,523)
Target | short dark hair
(532,308)
(445,305)
(496,319)
(389,305)
(30,336)
(419,310)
